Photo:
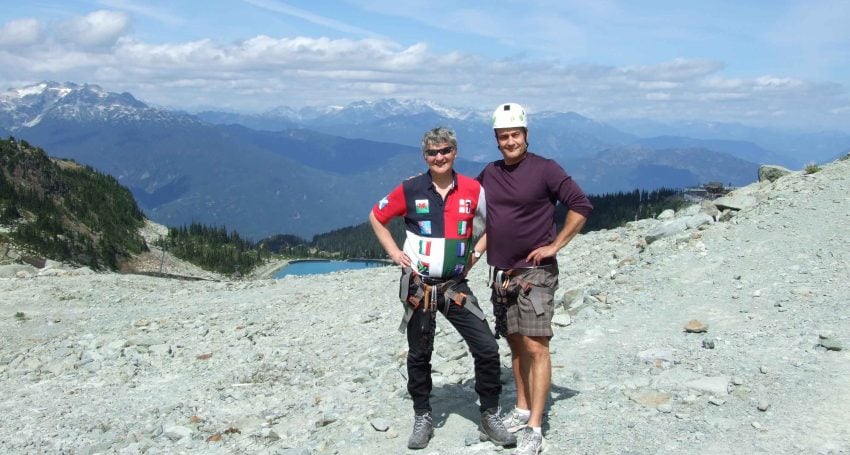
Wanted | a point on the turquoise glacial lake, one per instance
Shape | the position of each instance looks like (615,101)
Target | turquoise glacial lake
(319,267)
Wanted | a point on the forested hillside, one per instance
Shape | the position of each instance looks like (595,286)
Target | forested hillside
(214,249)
(65,211)
(615,209)
(346,243)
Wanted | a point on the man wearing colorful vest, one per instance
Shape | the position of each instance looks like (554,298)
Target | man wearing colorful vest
(438,208)
(522,244)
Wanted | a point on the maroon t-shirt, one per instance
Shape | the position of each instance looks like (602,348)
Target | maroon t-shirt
(521,202)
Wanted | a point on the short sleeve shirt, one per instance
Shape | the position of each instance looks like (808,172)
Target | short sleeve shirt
(438,232)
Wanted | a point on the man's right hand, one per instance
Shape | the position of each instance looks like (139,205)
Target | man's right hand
(400,258)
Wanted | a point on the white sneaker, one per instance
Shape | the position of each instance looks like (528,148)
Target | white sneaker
(514,421)
(530,443)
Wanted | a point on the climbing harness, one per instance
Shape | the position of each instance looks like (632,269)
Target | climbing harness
(418,293)
(508,288)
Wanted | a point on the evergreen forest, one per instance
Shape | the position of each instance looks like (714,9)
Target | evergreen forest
(613,210)
(65,211)
(352,242)
(213,248)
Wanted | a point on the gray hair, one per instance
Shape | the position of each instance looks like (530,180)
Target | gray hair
(438,135)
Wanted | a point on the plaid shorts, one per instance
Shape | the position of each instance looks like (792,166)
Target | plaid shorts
(529,304)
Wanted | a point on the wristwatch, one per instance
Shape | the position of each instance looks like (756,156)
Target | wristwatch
(476,254)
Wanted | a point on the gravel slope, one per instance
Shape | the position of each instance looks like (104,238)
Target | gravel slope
(108,363)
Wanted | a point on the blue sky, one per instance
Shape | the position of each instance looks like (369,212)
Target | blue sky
(768,63)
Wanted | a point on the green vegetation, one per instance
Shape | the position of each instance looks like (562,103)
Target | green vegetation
(616,209)
(357,241)
(289,246)
(65,211)
(811,168)
(345,243)
(214,249)
(20,316)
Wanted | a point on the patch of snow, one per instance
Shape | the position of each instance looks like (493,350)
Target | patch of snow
(37,89)
(35,121)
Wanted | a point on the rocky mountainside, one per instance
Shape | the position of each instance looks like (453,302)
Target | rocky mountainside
(62,210)
(720,329)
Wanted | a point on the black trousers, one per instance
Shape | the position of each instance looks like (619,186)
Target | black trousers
(480,340)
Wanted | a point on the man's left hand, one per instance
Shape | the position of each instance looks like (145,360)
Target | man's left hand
(538,255)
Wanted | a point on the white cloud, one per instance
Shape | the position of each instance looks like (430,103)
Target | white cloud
(770,82)
(262,72)
(383,88)
(266,54)
(679,69)
(21,32)
(98,29)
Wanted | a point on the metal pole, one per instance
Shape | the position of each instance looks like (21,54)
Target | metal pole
(161,259)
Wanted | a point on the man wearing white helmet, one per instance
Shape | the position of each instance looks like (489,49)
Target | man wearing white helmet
(522,243)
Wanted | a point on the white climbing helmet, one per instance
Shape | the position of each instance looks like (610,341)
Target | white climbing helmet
(509,115)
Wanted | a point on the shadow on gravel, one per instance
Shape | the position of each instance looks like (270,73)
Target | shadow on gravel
(458,399)
(169,275)
(558,393)
(461,400)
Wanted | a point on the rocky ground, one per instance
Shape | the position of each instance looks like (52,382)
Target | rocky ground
(111,363)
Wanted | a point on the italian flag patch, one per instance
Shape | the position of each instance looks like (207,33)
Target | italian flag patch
(462,227)
(425,247)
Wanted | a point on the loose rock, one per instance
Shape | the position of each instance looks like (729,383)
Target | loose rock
(316,364)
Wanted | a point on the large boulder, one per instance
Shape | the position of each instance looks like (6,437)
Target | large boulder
(770,172)
(677,225)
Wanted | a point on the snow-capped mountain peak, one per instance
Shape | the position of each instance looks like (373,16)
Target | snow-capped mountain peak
(39,89)
(48,91)
(391,107)
(26,107)
(358,112)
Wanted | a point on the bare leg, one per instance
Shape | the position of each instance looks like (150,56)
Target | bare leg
(521,369)
(536,349)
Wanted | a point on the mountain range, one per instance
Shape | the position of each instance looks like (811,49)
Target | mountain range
(313,170)
(560,135)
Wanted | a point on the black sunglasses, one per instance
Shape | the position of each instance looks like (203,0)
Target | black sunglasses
(444,151)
